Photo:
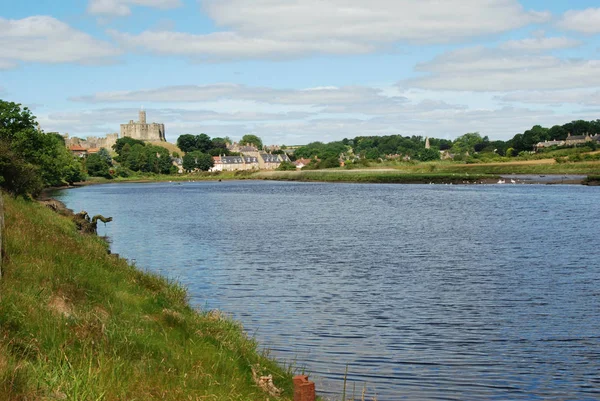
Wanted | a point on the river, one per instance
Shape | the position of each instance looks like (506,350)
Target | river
(423,292)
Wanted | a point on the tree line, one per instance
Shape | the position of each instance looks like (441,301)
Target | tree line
(467,145)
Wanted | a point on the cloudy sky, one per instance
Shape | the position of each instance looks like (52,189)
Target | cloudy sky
(296,71)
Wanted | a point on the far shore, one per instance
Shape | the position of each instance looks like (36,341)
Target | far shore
(369,175)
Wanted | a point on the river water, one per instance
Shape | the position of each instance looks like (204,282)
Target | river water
(423,292)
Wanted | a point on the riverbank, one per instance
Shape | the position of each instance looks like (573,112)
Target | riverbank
(78,323)
(444,172)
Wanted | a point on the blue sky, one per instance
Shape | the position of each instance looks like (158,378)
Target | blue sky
(296,71)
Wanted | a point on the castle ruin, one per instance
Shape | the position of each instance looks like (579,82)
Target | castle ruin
(143,131)
(92,142)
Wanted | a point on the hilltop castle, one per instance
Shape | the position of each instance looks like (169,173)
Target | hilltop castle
(142,130)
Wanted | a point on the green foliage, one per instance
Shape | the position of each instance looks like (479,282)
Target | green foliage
(105,155)
(202,143)
(146,158)
(17,175)
(252,140)
(13,120)
(426,155)
(286,166)
(466,143)
(126,142)
(97,166)
(187,143)
(32,150)
(197,160)
(321,150)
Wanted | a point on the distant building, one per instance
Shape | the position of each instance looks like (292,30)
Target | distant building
(573,140)
(301,163)
(548,144)
(142,130)
(92,141)
(78,150)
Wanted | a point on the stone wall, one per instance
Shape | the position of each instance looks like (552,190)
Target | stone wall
(144,132)
(92,141)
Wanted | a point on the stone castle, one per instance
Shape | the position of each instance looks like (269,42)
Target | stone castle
(138,130)
(143,131)
(92,142)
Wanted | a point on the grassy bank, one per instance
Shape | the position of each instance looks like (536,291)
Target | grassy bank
(374,176)
(440,172)
(79,324)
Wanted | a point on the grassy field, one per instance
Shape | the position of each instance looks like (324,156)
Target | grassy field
(79,324)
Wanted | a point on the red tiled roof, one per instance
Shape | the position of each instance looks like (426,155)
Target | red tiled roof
(93,150)
(77,148)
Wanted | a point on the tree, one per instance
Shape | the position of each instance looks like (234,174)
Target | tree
(466,143)
(126,141)
(252,140)
(187,143)
(13,119)
(197,160)
(16,175)
(204,162)
(286,166)
(96,166)
(426,155)
(105,155)
(203,143)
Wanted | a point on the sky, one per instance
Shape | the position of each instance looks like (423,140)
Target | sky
(298,71)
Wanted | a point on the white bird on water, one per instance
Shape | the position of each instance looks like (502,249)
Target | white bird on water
(501,181)
(512,181)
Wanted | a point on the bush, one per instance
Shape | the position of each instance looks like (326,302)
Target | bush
(17,176)
(286,166)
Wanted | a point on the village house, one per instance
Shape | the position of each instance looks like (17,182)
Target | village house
(78,150)
(572,140)
(548,144)
(301,162)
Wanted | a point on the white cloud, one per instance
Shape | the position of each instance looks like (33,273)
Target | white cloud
(45,39)
(428,21)
(274,29)
(226,46)
(482,69)
(121,8)
(324,96)
(586,97)
(540,44)
(6,64)
(584,21)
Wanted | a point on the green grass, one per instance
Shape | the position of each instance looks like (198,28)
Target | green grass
(79,324)
(373,176)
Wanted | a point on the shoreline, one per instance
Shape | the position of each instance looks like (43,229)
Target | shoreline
(366,176)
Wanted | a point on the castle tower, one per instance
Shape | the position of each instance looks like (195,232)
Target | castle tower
(142,130)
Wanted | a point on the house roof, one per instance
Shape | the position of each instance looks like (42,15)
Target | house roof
(77,148)
(93,150)
(576,137)
(302,161)
(269,158)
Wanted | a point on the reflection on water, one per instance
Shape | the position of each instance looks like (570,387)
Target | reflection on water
(425,292)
